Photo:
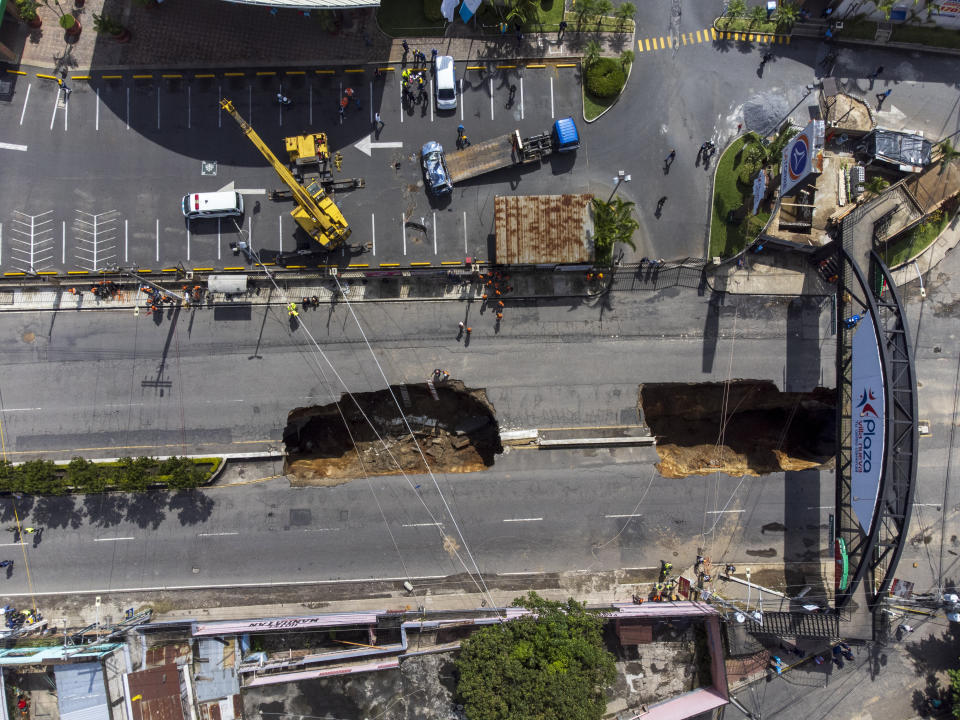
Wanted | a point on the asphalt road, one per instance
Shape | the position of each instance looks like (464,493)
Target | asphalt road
(108,384)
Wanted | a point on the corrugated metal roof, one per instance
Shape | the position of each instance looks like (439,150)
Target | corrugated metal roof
(541,229)
(81,692)
(159,693)
(310,4)
(212,679)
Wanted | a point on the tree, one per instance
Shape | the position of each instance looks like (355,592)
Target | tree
(954,676)
(523,11)
(601,9)
(758,15)
(947,153)
(548,665)
(787,15)
(737,8)
(591,53)
(624,12)
(626,58)
(613,222)
(877,184)
(585,9)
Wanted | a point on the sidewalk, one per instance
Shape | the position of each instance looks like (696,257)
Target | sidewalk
(770,272)
(214,33)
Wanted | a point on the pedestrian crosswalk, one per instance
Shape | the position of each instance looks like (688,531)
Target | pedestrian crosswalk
(668,42)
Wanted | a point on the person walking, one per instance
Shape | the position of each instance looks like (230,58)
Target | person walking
(881,97)
(562,29)
(876,73)
(377,122)
(660,203)
(671,156)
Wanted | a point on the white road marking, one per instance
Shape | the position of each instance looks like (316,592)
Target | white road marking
(373,231)
(718,512)
(97,121)
(1,242)
(128,108)
(189,109)
(158,108)
(66,110)
(217,534)
(56,101)
(434,233)
(220,109)
(188,242)
(25,98)
(113,539)
(433,524)
(16,544)
(63,242)
(12,146)
(250,105)
(403,231)
(218,238)
(536,519)
(430,100)
(526,572)
(521,97)
(158,239)
(551,97)
(491,98)
(465,251)
(366,144)
(401,100)
(371,102)
(821,507)
(626,515)
(936,505)
(461,100)
(20,409)
(280,231)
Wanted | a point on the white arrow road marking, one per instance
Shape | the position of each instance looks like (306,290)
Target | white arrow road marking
(365,145)
(243,191)
(22,148)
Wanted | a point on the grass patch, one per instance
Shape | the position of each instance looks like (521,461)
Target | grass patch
(926,35)
(403,18)
(608,23)
(735,24)
(593,107)
(728,239)
(858,29)
(901,249)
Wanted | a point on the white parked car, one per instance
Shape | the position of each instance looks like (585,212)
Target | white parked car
(446,83)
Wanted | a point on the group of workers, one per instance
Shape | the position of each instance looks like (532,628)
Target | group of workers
(495,286)
(155,299)
(103,290)
(15,619)
(414,85)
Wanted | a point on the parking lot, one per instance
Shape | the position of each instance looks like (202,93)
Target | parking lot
(94,177)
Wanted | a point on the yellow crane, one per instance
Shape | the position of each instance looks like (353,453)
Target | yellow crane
(316,213)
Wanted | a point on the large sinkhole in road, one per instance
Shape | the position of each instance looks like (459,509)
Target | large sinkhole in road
(766,430)
(329,444)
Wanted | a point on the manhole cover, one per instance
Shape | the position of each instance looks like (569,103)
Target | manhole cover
(300,516)
(344,515)
(208,167)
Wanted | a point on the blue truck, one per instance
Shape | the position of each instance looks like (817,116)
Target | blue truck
(500,152)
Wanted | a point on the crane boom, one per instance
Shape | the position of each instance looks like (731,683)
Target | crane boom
(316,213)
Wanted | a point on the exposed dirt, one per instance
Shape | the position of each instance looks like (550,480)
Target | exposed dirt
(766,430)
(457,433)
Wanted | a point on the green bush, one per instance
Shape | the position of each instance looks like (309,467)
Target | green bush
(605,78)
(431,10)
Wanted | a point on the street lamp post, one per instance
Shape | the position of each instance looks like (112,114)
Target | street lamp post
(621,177)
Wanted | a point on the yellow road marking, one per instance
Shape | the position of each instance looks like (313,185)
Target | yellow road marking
(475,67)
(450,262)
(16,72)
(647,41)
(47,272)
(354,70)
(684,38)
(505,67)
(203,269)
(669,42)
(640,45)
(324,72)
(80,77)
(359,265)
(77,272)
(295,72)
(560,65)
(172,76)
(389,264)
(698,36)
(536,66)
(266,73)
(8,274)
(713,33)
(204,75)
(111,77)
(168,270)
(419,264)
(295,267)
(234,74)
(143,77)
(234,268)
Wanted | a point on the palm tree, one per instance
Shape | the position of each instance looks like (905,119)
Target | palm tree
(877,184)
(624,12)
(602,8)
(947,153)
(737,8)
(591,53)
(613,222)
(626,59)
(584,9)
(787,15)
(758,15)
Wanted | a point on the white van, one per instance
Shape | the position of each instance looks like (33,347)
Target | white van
(197,206)
(446,83)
